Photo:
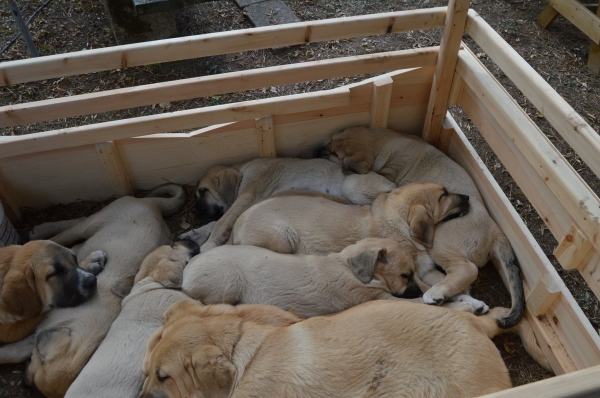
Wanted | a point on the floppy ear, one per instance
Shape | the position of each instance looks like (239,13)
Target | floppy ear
(123,287)
(360,163)
(152,342)
(53,342)
(213,373)
(363,264)
(421,225)
(19,293)
(168,274)
(228,181)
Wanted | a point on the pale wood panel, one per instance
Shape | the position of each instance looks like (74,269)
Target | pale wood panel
(80,62)
(61,176)
(111,159)
(380,102)
(585,20)
(266,137)
(547,16)
(568,123)
(583,383)
(582,342)
(444,70)
(542,295)
(104,101)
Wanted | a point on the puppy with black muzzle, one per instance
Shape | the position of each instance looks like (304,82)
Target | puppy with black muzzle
(224,193)
(37,277)
(115,369)
(127,230)
(461,246)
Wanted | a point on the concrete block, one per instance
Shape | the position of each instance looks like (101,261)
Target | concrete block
(270,12)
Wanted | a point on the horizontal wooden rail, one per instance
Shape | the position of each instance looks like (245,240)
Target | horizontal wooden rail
(104,101)
(166,122)
(177,49)
(575,195)
(567,122)
(580,16)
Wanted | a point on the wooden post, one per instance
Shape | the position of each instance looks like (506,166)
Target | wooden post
(594,55)
(543,294)
(547,16)
(109,154)
(266,138)
(574,249)
(446,134)
(444,69)
(380,102)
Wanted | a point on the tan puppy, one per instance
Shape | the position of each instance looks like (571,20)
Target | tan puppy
(127,230)
(115,369)
(461,246)
(37,277)
(224,193)
(371,269)
(380,348)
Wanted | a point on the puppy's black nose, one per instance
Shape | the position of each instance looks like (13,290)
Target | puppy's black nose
(464,197)
(90,282)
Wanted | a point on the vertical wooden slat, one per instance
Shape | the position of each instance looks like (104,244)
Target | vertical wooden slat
(574,249)
(444,69)
(445,135)
(547,16)
(594,56)
(380,102)
(543,294)
(109,154)
(266,137)
(458,84)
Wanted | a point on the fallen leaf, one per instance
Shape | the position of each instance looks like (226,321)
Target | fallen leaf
(185,225)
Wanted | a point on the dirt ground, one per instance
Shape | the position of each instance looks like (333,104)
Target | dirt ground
(559,54)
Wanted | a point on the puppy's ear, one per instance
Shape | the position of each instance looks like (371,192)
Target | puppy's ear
(53,342)
(152,343)
(123,287)
(19,293)
(363,264)
(183,307)
(228,181)
(421,225)
(214,374)
(359,163)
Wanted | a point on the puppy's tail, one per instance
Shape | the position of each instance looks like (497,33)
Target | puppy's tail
(490,323)
(504,258)
(171,205)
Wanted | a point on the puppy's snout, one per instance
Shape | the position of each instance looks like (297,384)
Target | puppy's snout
(322,152)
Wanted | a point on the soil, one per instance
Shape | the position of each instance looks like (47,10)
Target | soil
(558,54)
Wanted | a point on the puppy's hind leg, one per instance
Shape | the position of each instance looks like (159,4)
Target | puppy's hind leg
(82,230)
(50,229)
(17,352)
(460,273)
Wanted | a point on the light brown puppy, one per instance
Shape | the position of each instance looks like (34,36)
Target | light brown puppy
(380,348)
(460,246)
(37,277)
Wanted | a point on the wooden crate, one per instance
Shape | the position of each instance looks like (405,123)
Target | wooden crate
(412,94)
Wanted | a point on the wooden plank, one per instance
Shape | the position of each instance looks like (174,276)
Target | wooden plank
(445,135)
(444,71)
(547,16)
(550,209)
(109,155)
(581,347)
(568,187)
(542,295)
(266,137)
(165,122)
(458,84)
(594,54)
(380,102)
(585,20)
(581,384)
(189,47)
(110,100)
(574,250)
(568,123)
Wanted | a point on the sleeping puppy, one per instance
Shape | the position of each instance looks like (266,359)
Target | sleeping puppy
(312,225)
(461,246)
(380,348)
(224,193)
(371,269)
(115,369)
(127,230)
(37,277)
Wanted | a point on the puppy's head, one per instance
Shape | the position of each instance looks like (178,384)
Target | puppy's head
(42,275)
(351,147)
(165,265)
(426,205)
(216,192)
(382,259)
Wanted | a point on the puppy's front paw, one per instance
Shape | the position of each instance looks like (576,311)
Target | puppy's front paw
(433,297)
(96,262)
(460,306)
(479,306)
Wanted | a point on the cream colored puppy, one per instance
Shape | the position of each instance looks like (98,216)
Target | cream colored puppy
(461,246)
(115,369)
(371,269)
(381,348)
(127,230)
(224,193)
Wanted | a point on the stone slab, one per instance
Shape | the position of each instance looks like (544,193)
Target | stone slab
(246,3)
(270,12)
(127,27)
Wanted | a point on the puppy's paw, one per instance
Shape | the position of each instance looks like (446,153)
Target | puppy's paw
(96,262)
(479,306)
(460,306)
(199,235)
(433,297)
